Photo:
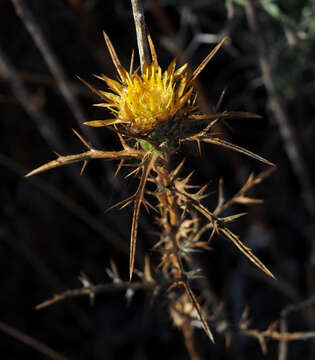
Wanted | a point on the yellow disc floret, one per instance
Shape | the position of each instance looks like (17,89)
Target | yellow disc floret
(145,100)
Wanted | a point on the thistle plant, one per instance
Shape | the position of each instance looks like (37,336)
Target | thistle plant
(152,112)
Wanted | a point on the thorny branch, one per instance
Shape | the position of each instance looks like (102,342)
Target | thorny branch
(127,153)
(180,233)
(179,208)
(179,312)
(91,290)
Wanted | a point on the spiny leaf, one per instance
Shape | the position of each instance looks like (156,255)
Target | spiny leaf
(230,235)
(100,123)
(206,60)
(220,198)
(226,144)
(226,115)
(113,54)
(147,167)
(199,312)
(92,88)
(245,250)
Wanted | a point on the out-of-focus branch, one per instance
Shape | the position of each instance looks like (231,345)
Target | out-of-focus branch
(77,210)
(48,54)
(138,15)
(283,346)
(30,341)
(44,123)
(290,141)
(280,113)
(45,127)
(264,336)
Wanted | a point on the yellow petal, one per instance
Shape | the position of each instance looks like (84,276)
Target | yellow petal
(113,84)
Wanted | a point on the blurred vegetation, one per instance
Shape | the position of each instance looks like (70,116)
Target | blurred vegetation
(47,237)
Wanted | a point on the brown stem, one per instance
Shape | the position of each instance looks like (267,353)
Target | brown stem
(171,221)
(92,290)
(85,157)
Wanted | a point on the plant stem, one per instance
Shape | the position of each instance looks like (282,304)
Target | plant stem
(139,19)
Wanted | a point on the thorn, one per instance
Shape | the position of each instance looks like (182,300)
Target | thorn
(147,269)
(121,163)
(126,204)
(175,172)
(123,142)
(129,295)
(88,285)
(82,140)
(206,60)
(217,107)
(152,49)
(85,162)
(122,203)
(113,272)
(132,61)
(135,171)
(199,146)
(113,54)
(214,230)
(188,177)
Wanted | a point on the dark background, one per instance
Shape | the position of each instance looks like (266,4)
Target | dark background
(53,226)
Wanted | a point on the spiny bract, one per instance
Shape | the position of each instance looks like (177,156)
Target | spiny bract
(143,101)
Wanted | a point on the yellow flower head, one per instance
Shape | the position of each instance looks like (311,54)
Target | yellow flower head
(144,101)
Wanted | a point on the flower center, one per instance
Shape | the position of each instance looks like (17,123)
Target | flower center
(147,100)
